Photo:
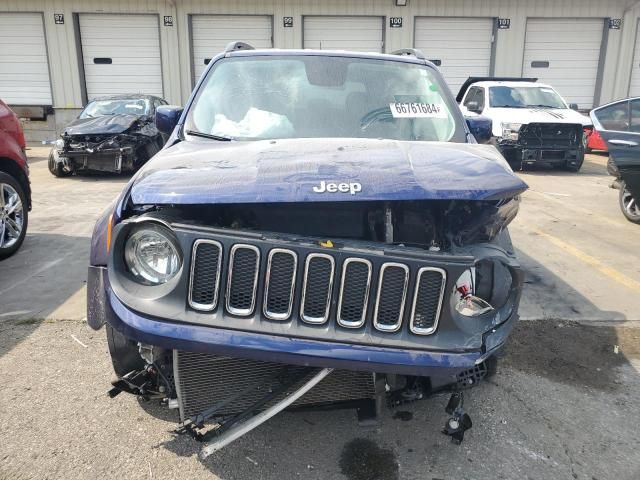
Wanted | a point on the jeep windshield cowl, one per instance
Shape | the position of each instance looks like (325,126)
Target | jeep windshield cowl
(313,96)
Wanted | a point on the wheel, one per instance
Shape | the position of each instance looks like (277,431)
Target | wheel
(14,215)
(575,167)
(629,204)
(124,352)
(492,366)
(56,168)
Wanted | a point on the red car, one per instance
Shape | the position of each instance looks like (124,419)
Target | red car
(15,190)
(595,142)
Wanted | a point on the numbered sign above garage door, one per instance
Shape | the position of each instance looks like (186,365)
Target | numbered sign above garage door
(460,47)
(24,69)
(121,54)
(565,53)
(210,34)
(359,34)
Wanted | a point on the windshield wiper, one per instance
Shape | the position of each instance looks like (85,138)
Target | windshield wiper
(542,106)
(210,136)
(508,106)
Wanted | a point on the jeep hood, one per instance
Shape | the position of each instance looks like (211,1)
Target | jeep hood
(104,125)
(210,172)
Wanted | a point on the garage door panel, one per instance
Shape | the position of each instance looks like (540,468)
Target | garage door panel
(572,48)
(24,68)
(462,45)
(210,34)
(360,34)
(136,57)
(132,43)
(634,84)
(129,73)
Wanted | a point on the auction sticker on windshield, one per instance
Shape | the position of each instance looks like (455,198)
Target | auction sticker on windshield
(417,110)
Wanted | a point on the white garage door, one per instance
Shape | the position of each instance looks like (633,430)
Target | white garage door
(24,70)
(211,33)
(564,53)
(121,54)
(360,34)
(634,87)
(461,47)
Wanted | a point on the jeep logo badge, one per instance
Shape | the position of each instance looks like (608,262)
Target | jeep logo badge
(352,188)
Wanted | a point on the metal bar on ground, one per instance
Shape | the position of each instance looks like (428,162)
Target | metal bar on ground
(237,431)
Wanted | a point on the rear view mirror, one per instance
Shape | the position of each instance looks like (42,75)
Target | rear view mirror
(573,106)
(167,117)
(480,128)
(473,107)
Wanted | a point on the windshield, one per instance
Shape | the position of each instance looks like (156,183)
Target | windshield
(98,108)
(524,97)
(255,98)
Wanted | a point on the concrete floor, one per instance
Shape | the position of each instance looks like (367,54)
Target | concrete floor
(563,405)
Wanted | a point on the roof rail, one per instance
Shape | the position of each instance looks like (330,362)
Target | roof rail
(235,46)
(413,52)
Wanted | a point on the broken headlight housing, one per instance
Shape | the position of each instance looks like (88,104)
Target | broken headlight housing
(466,301)
(510,130)
(152,254)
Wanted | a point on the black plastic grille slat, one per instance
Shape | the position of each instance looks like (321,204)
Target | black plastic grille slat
(317,287)
(281,277)
(242,278)
(427,300)
(391,296)
(205,274)
(354,292)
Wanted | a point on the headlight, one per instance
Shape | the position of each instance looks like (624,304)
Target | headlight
(152,256)
(510,130)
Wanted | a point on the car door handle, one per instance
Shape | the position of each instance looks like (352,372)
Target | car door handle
(623,143)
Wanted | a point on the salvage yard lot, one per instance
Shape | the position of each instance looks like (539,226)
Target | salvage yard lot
(563,405)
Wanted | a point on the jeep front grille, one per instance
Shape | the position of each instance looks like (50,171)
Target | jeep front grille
(242,279)
(316,289)
(427,300)
(290,285)
(354,292)
(280,283)
(205,274)
(392,296)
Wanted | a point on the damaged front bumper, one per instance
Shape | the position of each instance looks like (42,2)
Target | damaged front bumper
(105,306)
(542,143)
(114,160)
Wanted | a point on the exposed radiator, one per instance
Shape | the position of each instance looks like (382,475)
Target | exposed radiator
(203,380)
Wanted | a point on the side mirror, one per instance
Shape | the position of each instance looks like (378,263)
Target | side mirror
(480,128)
(167,117)
(473,107)
(573,106)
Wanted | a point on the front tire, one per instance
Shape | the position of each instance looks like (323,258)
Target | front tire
(14,215)
(575,167)
(629,204)
(57,168)
(124,352)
